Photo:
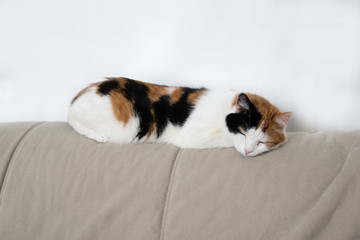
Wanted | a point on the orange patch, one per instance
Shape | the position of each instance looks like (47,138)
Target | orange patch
(274,137)
(155,91)
(176,95)
(122,108)
(264,107)
(193,97)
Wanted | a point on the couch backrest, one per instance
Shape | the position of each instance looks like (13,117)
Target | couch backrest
(60,185)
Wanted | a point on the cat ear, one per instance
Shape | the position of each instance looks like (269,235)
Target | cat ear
(243,103)
(283,118)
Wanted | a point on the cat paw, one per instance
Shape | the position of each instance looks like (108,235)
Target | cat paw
(102,138)
(87,132)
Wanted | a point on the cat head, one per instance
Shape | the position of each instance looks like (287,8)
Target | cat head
(256,125)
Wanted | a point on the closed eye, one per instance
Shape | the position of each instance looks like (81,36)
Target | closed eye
(268,143)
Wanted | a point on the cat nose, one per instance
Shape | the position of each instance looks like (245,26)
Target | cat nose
(247,151)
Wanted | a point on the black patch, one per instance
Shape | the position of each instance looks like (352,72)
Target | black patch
(181,110)
(234,121)
(136,93)
(177,113)
(246,118)
(162,111)
(107,86)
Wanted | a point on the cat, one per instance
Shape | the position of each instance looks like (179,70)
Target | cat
(122,110)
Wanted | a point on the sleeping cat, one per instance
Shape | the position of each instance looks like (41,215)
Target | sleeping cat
(122,110)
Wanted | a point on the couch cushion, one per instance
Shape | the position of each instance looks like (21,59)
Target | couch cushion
(307,189)
(10,136)
(63,186)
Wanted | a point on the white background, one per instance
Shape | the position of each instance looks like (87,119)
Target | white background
(302,55)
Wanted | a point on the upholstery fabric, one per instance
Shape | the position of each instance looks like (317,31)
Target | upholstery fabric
(60,185)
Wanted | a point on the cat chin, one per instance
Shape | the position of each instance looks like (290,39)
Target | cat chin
(252,154)
(241,150)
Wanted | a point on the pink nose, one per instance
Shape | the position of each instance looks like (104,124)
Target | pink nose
(247,151)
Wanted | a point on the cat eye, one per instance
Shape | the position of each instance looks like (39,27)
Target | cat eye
(260,142)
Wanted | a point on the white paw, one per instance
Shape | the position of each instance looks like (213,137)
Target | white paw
(92,134)
(101,138)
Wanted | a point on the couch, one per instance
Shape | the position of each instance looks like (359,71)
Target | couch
(56,184)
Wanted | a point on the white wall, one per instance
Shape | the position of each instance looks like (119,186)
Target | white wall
(303,55)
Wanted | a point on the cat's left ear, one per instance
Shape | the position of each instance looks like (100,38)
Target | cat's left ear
(243,104)
(283,118)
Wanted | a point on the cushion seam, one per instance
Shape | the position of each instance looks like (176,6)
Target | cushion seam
(13,156)
(168,195)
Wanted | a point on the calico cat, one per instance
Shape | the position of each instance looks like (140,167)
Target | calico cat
(122,110)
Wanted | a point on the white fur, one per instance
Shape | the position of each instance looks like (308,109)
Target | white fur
(91,115)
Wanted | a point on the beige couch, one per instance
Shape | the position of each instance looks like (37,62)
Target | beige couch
(56,184)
